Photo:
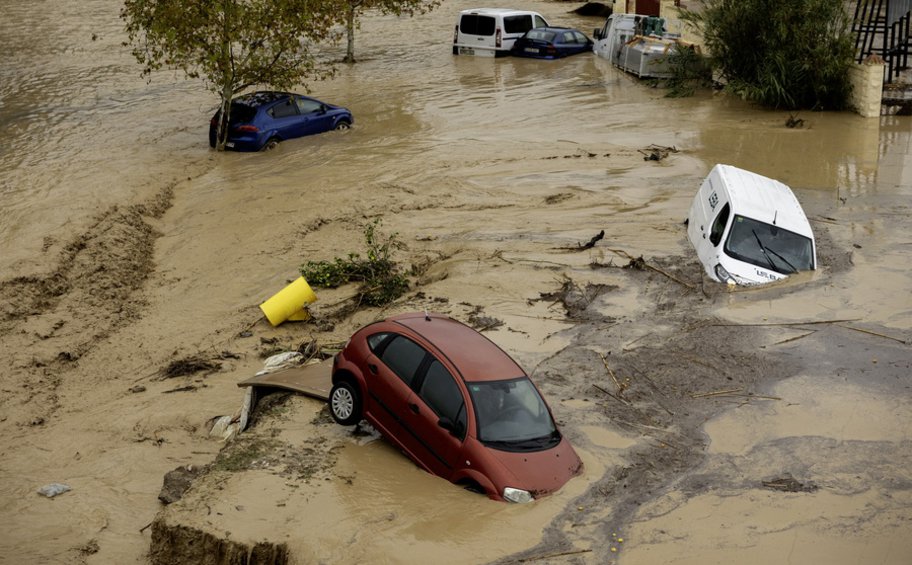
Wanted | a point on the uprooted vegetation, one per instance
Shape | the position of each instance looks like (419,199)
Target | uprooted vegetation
(381,279)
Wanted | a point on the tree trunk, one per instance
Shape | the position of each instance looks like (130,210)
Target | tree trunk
(221,134)
(350,30)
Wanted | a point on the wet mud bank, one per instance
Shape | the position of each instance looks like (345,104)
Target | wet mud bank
(173,545)
(89,292)
(643,369)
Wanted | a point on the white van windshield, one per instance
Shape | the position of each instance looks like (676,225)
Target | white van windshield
(769,246)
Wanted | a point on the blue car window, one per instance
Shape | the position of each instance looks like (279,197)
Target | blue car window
(306,105)
(567,37)
(284,109)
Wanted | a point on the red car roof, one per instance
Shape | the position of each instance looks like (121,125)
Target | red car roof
(476,357)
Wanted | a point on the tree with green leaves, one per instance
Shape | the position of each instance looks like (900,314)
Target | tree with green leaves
(788,54)
(354,9)
(231,44)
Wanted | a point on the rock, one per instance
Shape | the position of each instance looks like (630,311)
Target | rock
(177,482)
(53,489)
(182,544)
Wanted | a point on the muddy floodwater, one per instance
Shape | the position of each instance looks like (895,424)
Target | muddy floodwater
(769,425)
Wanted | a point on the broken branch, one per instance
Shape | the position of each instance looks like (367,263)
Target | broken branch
(550,555)
(612,395)
(611,374)
(874,333)
(716,393)
(651,267)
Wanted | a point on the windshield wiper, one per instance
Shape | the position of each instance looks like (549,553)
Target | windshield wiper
(786,261)
(763,249)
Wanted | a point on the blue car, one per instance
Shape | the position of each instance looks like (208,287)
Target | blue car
(551,43)
(263,119)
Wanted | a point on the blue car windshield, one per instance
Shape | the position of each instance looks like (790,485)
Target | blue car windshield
(768,246)
(512,415)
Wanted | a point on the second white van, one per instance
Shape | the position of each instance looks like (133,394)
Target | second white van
(491,32)
(749,229)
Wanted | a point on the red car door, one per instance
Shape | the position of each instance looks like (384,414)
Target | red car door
(391,372)
(437,416)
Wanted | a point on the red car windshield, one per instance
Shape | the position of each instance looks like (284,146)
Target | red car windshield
(511,415)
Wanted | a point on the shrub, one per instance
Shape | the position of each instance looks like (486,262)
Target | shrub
(788,54)
(380,277)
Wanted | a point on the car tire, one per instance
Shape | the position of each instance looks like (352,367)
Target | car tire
(271,144)
(345,403)
(343,125)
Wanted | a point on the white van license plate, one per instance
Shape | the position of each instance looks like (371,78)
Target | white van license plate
(466,51)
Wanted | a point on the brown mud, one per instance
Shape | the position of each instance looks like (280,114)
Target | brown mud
(685,399)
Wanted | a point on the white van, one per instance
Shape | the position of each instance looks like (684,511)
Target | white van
(491,32)
(749,229)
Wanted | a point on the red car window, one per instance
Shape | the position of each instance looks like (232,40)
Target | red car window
(440,391)
(403,356)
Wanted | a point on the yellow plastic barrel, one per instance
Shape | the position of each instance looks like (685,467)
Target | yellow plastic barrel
(289,303)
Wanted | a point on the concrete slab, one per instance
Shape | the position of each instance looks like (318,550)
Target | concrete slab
(314,380)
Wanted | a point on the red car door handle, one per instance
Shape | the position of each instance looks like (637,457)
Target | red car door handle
(414,408)
(372,367)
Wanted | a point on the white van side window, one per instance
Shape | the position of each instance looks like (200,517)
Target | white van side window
(540,22)
(517,24)
(718,227)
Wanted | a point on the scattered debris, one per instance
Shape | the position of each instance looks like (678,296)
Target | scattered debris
(621,386)
(787,483)
(137,388)
(637,264)
(574,298)
(187,388)
(869,332)
(53,489)
(588,245)
(559,197)
(640,264)
(188,366)
(657,152)
(281,361)
(553,555)
(482,323)
(89,548)
(611,394)
(177,482)
(716,393)
(794,122)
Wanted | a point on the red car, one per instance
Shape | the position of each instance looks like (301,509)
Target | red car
(455,403)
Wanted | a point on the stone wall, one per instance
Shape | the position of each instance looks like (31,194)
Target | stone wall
(867,86)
